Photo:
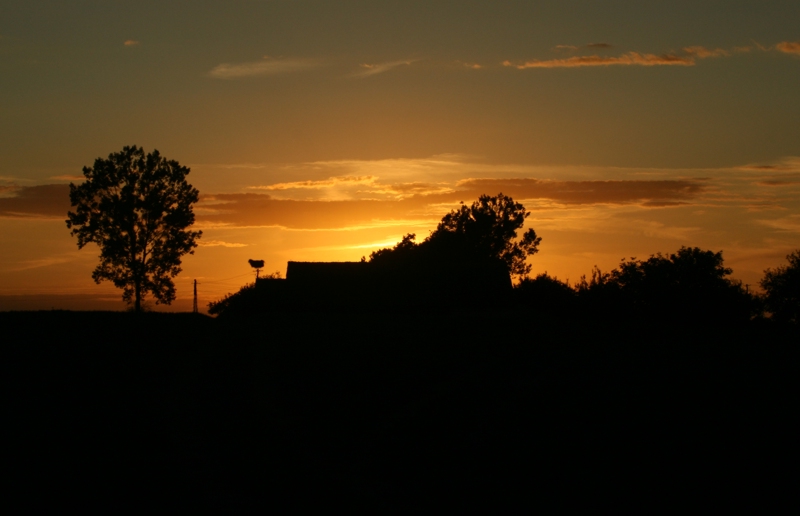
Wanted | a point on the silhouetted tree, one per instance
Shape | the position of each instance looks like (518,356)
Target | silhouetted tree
(488,229)
(484,232)
(137,209)
(782,288)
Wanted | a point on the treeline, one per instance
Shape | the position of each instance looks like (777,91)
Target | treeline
(690,285)
(469,260)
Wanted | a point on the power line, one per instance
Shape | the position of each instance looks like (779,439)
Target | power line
(226,279)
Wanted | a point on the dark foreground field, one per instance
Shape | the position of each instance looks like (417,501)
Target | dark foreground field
(173,410)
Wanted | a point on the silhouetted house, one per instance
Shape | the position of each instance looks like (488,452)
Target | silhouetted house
(327,274)
(345,286)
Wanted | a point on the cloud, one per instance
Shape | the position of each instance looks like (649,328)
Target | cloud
(266,66)
(44,201)
(468,64)
(704,53)
(785,173)
(789,47)
(403,190)
(790,224)
(788,180)
(589,192)
(572,48)
(687,57)
(353,187)
(762,206)
(663,204)
(655,229)
(218,243)
(325,183)
(131,43)
(761,167)
(425,201)
(787,166)
(369,187)
(254,210)
(44,262)
(374,69)
(629,59)
(68,177)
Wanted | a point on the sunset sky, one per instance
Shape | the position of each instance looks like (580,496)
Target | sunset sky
(326,129)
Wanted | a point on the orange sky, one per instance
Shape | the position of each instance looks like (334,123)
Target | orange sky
(325,130)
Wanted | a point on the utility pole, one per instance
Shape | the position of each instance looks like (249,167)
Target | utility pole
(257,265)
(194,306)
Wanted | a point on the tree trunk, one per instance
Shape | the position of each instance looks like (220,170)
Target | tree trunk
(137,304)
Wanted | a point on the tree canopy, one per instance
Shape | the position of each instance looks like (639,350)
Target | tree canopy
(137,209)
(782,289)
(486,230)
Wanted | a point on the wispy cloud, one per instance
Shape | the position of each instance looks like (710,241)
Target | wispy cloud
(572,48)
(266,66)
(688,56)
(402,190)
(43,262)
(705,53)
(44,201)
(218,243)
(629,59)
(778,182)
(789,47)
(325,183)
(648,193)
(789,224)
(131,43)
(374,69)
(788,164)
(68,177)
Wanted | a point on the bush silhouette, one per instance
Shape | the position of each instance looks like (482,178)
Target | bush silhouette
(545,293)
(690,284)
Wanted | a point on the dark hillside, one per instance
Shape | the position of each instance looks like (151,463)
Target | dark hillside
(313,408)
